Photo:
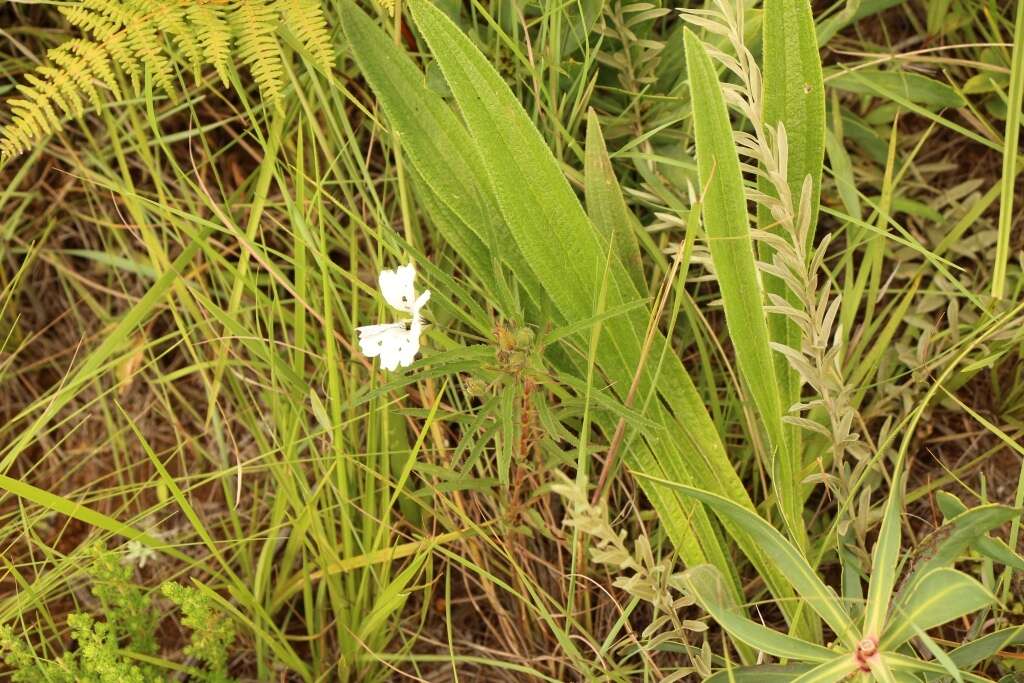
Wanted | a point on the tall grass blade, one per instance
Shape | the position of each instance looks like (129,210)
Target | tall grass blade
(1010,153)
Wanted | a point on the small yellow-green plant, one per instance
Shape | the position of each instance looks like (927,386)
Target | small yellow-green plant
(108,651)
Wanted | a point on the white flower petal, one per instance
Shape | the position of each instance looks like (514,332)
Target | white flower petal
(375,340)
(405,352)
(397,287)
(420,302)
(395,343)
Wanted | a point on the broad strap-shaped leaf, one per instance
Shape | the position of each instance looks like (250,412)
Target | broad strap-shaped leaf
(794,91)
(793,95)
(817,595)
(706,585)
(904,677)
(605,204)
(885,556)
(881,671)
(829,672)
(549,225)
(939,597)
(454,184)
(732,252)
(900,663)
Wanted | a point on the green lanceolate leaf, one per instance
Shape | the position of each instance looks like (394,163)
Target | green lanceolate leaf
(903,666)
(553,233)
(939,597)
(885,557)
(794,91)
(968,656)
(914,87)
(793,95)
(993,548)
(732,251)
(606,205)
(705,583)
(881,672)
(564,251)
(451,175)
(790,561)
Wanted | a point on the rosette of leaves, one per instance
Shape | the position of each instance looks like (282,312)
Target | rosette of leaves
(882,636)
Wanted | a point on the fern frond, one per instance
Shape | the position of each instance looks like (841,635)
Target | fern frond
(94,62)
(147,47)
(254,24)
(120,12)
(35,115)
(59,88)
(90,21)
(306,19)
(141,38)
(32,119)
(137,41)
(171,21)
(213,34)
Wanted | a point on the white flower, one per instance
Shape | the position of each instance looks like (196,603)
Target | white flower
(396,343)
(136,553)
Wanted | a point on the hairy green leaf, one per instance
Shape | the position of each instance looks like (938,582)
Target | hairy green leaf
(606,205)
(567,255)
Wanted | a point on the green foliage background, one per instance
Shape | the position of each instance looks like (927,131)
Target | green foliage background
(722,377)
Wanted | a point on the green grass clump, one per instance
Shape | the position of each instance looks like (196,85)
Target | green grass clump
(720,377)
